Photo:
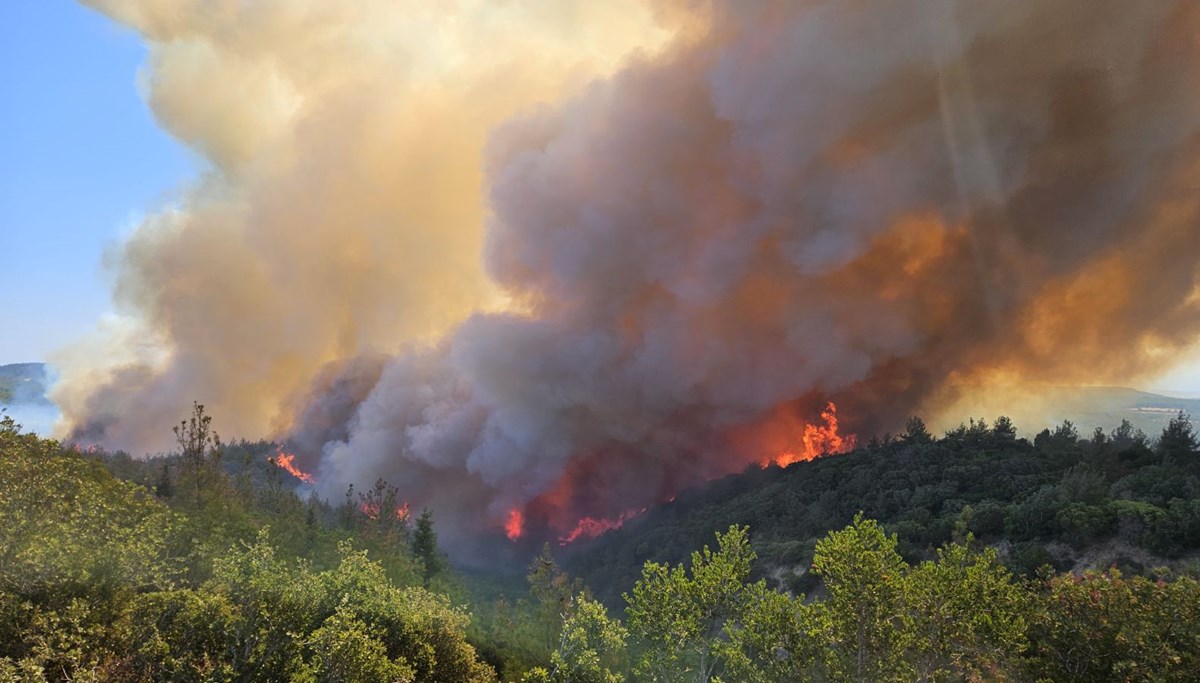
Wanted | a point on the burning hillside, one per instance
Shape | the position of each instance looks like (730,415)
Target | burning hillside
(700,223)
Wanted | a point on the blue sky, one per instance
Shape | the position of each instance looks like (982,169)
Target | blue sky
(80,159)
(80,155)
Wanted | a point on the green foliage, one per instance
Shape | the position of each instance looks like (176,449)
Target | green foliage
(101,580)
(182,635)
(772,638)
(425,547)
(1178,444)
(551,591)
(1062,500)
(345,650)
(682,614)
(965,616)
(591,648)
(69,529)
(916,432)
(104,580)
(1102,626)
(200,454)
(863,617)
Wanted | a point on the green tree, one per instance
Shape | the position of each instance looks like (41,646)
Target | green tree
(1004,429)
(681,615)
(1101,626)
(915,431)
(75,546)
(551,590)
(590,650)
(772,639)
(863,620)
(425,548)
(346,650)
(200,453)
(382,516)
(1125,435)
(966,616)
(1178,445)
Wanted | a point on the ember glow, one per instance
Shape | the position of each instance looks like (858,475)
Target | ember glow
(816,440)
(514,524)
(372,511)
(286,461)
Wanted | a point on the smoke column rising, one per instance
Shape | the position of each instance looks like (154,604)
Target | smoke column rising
(878,203)
(343,211)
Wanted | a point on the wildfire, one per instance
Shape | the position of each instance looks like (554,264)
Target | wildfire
(590,527)
(284,460)
(816,440)
(371,510)
(514,525)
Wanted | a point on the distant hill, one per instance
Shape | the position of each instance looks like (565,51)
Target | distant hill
(1085,407)
(23,395)
(24,383)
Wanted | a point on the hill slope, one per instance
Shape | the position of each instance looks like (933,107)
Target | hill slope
(1057,499)
(24,383)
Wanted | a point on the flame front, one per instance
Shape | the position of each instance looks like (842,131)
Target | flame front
(285,461)
(514,525)
(591,527)
(816,440)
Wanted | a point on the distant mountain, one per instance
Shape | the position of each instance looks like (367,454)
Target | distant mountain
(24,383)
(1085,407)
(23,395)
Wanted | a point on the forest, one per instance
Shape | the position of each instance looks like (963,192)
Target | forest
(976,555)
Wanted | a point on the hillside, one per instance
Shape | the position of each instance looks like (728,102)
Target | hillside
(1058,499)
(23,389)
(207,565)
(24,383)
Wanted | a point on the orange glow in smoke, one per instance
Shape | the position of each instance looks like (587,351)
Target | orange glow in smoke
(284,460)
(816,440)
(514,525)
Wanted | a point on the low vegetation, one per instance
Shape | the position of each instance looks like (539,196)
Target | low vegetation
(915,558)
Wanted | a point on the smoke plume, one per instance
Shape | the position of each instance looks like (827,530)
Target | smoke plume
(676,258)
(342,209)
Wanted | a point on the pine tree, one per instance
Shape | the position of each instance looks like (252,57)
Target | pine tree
(425,548)
(200,451)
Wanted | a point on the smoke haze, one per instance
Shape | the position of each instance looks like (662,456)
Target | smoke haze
(569,258)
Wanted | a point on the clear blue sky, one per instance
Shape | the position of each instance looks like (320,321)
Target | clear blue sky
(80,158)
(80,154)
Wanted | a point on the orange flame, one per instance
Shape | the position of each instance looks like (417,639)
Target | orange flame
(371,510)
(816,441)
(514,525)
(590,527)
(284,460)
